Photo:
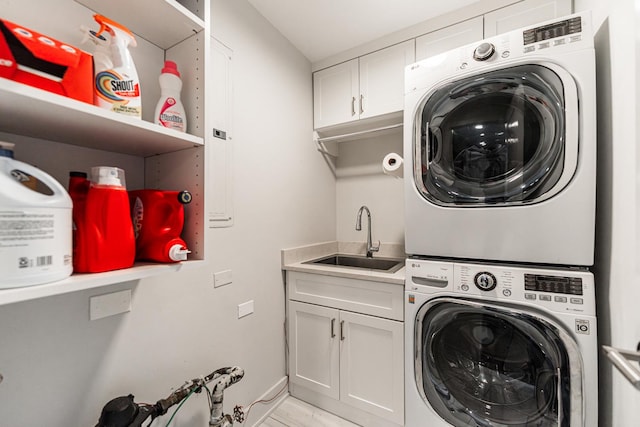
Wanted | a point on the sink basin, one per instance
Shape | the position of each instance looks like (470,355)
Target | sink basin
(388,265)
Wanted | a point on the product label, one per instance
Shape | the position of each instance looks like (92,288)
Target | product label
(18,228)
(122,93)
(20,231)
(169,117)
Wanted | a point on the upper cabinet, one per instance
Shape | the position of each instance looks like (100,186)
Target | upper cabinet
(368,86)
(527,12)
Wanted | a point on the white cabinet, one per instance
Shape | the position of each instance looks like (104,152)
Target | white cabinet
(448,38)
(522,14)
(364,87)
(354,358)
(59,134)
(335,94)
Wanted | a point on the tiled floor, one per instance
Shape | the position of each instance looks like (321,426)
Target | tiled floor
(296,413)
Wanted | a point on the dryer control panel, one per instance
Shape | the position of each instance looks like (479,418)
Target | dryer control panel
(557,290)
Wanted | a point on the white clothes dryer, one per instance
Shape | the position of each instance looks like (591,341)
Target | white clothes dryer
(500,148)
(496,346)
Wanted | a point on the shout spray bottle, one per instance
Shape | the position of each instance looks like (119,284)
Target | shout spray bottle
(116,82)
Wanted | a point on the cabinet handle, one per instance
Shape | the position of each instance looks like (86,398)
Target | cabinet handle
(333,325)
(353,105)
(342,330)
(361,104)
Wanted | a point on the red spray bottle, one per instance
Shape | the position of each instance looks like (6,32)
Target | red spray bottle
(158,218)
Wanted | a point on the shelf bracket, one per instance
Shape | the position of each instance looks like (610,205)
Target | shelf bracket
(322,147)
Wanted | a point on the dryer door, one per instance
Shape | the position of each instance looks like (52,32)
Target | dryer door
(483,365)
(497,138)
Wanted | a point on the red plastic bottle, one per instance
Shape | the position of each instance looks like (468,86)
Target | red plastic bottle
(158,218)
(105,231)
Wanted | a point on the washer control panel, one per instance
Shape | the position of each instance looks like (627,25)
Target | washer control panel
(558,290)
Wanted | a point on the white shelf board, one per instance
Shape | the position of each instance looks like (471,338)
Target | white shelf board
(33,112)
(80,282)
(164,23)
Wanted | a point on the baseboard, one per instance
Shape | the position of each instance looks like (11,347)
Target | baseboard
(269,394)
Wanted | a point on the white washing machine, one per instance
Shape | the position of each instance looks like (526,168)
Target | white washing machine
(500,148)
(494,345)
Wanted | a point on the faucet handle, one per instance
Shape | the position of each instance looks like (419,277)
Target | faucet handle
(375,248)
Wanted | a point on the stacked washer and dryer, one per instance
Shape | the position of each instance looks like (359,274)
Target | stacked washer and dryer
(500,172)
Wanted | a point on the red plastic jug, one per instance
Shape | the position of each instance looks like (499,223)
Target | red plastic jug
(158,218)
(104,238)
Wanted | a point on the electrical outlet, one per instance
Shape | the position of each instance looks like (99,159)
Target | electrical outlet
(222,278)
(109,304)
(245,309)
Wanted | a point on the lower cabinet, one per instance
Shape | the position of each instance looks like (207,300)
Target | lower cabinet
(353,358)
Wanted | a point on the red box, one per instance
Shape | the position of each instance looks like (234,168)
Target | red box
(29,57)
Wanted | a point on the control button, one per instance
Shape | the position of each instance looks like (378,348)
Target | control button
(506,292)
(560,299)
(463,65)
(545,297)
(485,281)
(558,42)
(484,51)
(576,301)
(529,49)
(464,287)
(530,296)
(505,54)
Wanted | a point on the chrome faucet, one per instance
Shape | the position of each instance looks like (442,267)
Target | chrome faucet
(370,247)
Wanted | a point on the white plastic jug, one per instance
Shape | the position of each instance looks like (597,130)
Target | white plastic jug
(35,224)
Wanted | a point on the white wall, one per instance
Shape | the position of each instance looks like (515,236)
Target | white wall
(616,267)
(59,368)
(360,181)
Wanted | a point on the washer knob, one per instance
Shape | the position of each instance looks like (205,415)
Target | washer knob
(485,281)
(484,51)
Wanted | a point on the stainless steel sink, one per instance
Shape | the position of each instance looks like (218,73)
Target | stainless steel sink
(388,265)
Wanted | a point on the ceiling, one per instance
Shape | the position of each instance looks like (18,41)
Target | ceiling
(322,28)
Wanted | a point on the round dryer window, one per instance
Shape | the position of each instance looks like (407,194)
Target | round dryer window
(494,138)
(484,366)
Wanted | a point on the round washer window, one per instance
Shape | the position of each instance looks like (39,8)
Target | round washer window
(493,138)
(484,367)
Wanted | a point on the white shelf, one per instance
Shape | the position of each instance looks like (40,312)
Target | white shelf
(143,18)
(33,112)
(80,282)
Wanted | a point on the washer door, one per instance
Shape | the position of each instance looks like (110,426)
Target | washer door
(497,138)
(483,365)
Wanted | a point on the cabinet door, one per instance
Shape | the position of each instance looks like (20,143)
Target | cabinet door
(335,94)
(382,79)
(371,365)
(314,348)
(528,12)
(449,38)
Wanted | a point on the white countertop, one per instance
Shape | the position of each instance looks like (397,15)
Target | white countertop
(294,260)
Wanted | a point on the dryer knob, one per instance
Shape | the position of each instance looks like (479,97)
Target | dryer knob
(485,281)
(484,51)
